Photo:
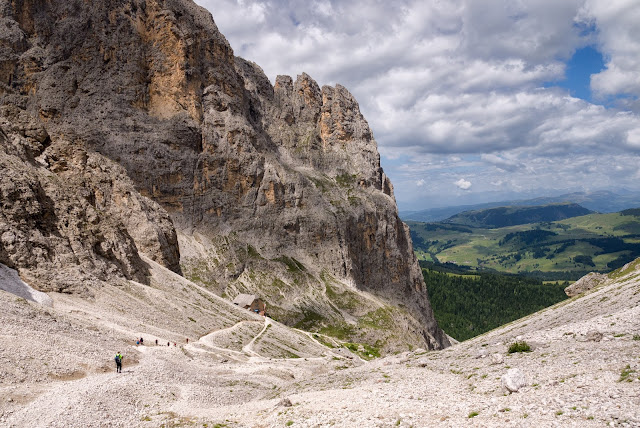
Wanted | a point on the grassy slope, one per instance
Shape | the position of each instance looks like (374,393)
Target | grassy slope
(478,247)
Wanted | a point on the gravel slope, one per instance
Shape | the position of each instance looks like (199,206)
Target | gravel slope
(57,366)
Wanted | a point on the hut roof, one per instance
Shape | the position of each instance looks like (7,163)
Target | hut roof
(244,299)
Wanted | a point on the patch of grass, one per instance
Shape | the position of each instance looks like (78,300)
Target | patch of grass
(625,375)
(310,320)
(289,423)
(324,341)
(292,264)
(559,412)
(519,347)
(321,184)
(345,180)
(191,319)
(365,351)
(378,319)
(339,331)
(252,252)
(636,337)
(344,300)
(473,414)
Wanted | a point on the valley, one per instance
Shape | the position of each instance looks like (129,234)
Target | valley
(553,250)
(149,177)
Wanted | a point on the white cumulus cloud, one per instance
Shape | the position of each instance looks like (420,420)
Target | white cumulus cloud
(463,184)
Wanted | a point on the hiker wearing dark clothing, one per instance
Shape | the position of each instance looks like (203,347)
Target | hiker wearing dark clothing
(118,362)
(141,341)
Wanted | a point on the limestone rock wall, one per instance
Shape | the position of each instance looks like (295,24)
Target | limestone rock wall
(290,170)
(70,218)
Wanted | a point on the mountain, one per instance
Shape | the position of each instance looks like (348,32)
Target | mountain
(600,201)
(131,130)
(512,216)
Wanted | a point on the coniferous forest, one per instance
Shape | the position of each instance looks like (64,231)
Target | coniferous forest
(468,303)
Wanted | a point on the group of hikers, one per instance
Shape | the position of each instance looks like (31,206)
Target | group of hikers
(139,342)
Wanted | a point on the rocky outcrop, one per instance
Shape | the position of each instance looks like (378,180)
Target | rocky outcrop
(586,283)
(71,218)
(283,182)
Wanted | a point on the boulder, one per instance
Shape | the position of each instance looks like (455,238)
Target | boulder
(586,283)
(513,380)
(497,358)
(594,336)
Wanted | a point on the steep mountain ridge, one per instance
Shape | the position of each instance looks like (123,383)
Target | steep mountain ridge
(283,178)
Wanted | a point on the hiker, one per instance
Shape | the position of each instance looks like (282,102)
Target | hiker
(168,344)
(141,341)
(187,340)
(137,342)
(156,342)
(118,362)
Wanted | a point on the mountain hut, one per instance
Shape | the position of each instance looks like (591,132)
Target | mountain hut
(250,302)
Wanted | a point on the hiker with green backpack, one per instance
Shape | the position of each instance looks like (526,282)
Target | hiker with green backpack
(118,362)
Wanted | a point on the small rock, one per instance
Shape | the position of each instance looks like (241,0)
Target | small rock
(497,358)
(422,362)
(513,380)
(285,402)
(594,336)
(482,353)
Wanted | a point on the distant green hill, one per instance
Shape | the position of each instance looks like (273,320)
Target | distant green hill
(559,250)
(599,201)
(515,215)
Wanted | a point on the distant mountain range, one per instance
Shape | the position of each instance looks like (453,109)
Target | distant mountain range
(601,201)
(515,215)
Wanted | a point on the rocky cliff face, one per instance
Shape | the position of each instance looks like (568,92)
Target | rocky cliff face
(275,189)
(70,218)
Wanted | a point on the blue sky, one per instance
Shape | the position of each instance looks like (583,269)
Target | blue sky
(577,77)
(469,101)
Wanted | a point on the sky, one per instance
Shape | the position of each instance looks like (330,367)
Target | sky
(469,101)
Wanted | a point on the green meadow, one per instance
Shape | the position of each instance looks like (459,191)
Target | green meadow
(559,250)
